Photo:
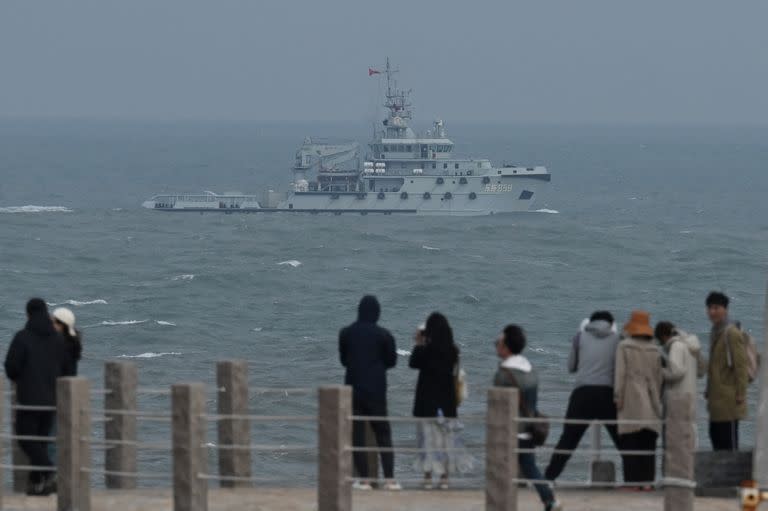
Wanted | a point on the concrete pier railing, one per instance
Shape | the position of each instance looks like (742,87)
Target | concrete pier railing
(188,422)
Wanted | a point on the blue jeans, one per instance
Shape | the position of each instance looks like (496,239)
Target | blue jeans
(529,470)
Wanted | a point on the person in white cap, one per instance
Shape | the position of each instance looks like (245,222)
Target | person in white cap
(64,322)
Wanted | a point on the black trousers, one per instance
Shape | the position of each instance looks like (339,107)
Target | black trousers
(35,424)
(640,468)
(724,435)
(381,430)
(588,402)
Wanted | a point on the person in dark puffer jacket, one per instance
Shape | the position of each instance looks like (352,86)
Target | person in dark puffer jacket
(35,359)
(367,351)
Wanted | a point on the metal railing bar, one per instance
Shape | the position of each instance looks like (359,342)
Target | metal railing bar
(587,451)
(416,450)
(33,408)
(30,468)
(414,420)
(587,422)
(116,443)
(138,475)
(135,413)
(258,447)
(260,418)
(216,477)
(28,438)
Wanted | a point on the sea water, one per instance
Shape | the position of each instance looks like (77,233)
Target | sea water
(648,217)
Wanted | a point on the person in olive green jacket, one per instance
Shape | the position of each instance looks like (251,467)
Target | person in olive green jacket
(727,376)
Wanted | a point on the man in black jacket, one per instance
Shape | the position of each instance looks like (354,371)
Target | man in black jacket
(34,361)
(367,351)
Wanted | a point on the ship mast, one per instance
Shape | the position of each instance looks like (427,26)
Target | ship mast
(397,100)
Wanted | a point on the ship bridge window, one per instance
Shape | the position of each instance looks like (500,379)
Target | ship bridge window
(408,148)
(456,166)
(445,165)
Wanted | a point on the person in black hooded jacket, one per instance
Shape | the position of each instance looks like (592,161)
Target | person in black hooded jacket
(367,351)
(34,361)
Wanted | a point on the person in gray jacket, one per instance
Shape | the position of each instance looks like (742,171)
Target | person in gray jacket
(592,359)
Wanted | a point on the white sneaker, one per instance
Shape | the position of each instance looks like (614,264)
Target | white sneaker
(392,486)
(361,485)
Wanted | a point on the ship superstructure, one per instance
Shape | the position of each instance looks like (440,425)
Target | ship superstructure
(402,172)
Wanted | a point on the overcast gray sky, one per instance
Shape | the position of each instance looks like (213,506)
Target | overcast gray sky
(568,61)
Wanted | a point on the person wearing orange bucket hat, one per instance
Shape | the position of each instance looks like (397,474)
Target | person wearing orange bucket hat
(637,392)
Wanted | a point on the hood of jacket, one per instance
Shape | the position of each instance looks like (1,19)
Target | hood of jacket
(369,310)
(600,328)
(40,323)
(518,362)
(690,340)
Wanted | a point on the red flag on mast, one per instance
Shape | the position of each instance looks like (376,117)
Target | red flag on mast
(372,72)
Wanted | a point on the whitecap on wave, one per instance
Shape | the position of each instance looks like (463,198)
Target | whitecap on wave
(404,353)
(121,323)
(550,211)
(165,323)
(427,247)
(258,329)
(151,354)
(35,209)
(186,276)
(292,263)
(78,303)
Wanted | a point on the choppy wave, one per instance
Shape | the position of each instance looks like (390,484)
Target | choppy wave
(151,354)
(78,303)
(293,263)
(122,323)
(427,247)
(550,211)
(186,276)
(166,323)
(35,209)
(258,329)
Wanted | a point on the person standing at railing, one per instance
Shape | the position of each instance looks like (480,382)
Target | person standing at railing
(516,371)
(436,356)
(637,392)
(727,378)
(683,363)
(34,361)
(592,359)
(367,351)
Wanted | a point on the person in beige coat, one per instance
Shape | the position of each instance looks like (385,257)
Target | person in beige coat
(637,392)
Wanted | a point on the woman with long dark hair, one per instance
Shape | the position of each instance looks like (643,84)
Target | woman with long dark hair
(436,356)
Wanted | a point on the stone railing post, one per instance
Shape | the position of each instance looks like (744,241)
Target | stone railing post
(232,383)
(760,456)
(190,491)
(334,431)
(120,382)
(679,454)
(601,471)
(18,457)
(73,452)
(501,465)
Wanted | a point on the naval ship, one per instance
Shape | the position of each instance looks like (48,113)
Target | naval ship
(402,172)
